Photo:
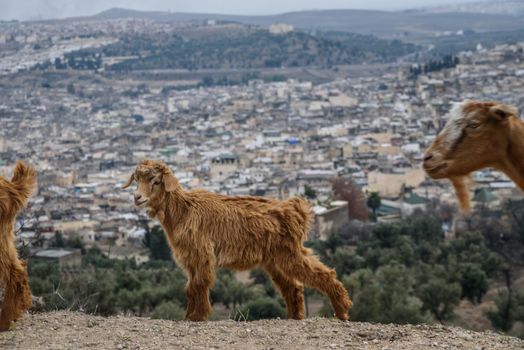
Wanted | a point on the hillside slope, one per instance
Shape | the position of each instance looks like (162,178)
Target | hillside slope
(247,48)
(67,330)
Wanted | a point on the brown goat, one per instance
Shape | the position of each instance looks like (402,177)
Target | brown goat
(478,135)
(207,230)
(13,272)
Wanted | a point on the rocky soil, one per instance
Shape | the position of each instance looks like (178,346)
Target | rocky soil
(71,330)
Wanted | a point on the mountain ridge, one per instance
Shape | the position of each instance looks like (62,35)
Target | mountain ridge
(380,23)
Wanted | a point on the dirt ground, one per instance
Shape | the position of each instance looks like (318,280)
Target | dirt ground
(72,330)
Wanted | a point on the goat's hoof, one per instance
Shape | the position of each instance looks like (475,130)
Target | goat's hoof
(196,318)
(342,317)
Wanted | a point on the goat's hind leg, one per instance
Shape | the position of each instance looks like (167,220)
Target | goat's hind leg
(291,290)
(7,315)
(310,271)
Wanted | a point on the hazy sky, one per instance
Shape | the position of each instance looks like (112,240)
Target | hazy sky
(39,9)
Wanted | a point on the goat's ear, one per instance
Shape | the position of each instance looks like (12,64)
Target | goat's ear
(170,182)
(129,182)
(503,112)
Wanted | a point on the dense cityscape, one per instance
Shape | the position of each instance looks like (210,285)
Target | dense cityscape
(85,132)
(84,126)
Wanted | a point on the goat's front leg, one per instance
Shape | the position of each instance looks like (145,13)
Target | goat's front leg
(8,311)
(201,279)
(17,295)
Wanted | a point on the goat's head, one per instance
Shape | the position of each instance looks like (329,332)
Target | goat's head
(6,199)
(154,179)
(474,137)
(14,193)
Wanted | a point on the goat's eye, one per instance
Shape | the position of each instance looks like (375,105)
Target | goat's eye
(473,126)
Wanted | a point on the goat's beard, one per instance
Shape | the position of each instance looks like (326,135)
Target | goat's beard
(155,213)
(461,185)
(151,213)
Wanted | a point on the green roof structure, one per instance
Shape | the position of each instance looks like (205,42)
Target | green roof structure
(415,199)
(483,195)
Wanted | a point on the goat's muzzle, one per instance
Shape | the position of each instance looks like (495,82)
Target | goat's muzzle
(434,169)
(139,200)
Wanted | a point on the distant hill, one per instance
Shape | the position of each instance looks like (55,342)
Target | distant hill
(506,7)
(380,23)
(239,46)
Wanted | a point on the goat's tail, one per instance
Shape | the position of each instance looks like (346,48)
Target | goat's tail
(24,180)
(304,216)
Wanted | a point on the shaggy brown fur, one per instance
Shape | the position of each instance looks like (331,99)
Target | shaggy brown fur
(478,135)
(207,230)
(13,273)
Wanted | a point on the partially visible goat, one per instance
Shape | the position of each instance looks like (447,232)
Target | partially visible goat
(207,230)
(13,272)
(477,135)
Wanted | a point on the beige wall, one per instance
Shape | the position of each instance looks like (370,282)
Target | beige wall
(330,222)
(74,225)
(347,150)
(391,184)
(388,150)
(220,171)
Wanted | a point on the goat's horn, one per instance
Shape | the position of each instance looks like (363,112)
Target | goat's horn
(130,181)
